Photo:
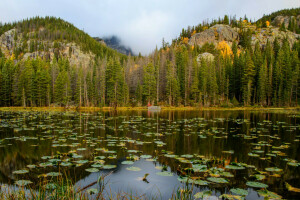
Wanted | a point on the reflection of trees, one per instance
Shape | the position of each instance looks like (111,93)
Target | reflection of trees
(183,138)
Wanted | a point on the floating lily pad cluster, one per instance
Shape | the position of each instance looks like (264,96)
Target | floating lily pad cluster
(203,151)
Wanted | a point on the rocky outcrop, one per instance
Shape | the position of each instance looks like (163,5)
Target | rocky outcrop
(269,34)
(67,50)
(205,56)
(215,34)
(279,20)
(7,41)
(219,33)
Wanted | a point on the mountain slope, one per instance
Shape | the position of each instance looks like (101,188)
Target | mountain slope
(50,38)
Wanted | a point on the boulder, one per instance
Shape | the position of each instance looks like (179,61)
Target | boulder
(215,34)
(207,56)
(281,19)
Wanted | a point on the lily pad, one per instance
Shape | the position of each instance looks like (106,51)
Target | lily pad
(273,169)
(256,184)
(23,171)
(269,195)
(53,174)
(109,166)
(235,167)
(134,169)
(92,170)
(146,156)
(239,191)
(66,164)
(22,183)
(127,162)
(217,180)
(203,195)
(164,173)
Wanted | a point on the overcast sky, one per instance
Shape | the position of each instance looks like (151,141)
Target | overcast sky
(140,24)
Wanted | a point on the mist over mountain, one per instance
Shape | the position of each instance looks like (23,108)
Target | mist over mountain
(115,42)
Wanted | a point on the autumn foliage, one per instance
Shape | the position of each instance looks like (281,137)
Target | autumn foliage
(224,48)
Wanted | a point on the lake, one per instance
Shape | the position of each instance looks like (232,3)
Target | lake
(225,152)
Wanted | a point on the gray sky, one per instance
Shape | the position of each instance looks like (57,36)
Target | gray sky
(140,24)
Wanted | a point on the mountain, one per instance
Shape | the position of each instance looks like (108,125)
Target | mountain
(50,38)
(115,43)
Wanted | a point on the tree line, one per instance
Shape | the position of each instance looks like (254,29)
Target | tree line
(175,75)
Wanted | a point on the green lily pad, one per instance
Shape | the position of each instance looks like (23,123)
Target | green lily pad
(66,164)
(259,177)
(97,165)
(81,149)
(256,184)
(164,173)
(109,166)
(92,170)
(134,169)
(235,167)
(273,169)
(127,162)
(239,191)
(203,195)
(22,183)
(227,174)
(31,166)
(146,156)
(81,161)
(253,155)
(217,180)
(53,174)
(268,194)
(294,164)
(46,164)
(23,171)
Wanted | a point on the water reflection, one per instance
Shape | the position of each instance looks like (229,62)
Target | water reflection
(27,137)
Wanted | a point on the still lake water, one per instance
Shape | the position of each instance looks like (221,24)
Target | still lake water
(222,149)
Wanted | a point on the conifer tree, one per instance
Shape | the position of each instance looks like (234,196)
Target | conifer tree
(248,78)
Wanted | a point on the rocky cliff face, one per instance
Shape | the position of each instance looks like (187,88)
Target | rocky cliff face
(285,20)
(269,34)
(221,32)
(8,44)
(215,34)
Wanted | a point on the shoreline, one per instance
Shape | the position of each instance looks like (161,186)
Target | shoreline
(96,109)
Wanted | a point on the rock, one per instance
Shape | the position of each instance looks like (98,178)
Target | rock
(269,34)
(206,56)
(215,34)
(281,19)
(76,57)
(286,20)
(7,41)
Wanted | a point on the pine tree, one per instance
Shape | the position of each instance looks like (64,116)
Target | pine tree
(62,89)
(172,87)
(226,19)
(149,84)
(248,78)
(262,83)
(195,83)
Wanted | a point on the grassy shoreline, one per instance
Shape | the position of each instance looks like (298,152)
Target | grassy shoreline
(96,109)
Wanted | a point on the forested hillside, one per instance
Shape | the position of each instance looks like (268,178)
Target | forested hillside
(47,61)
